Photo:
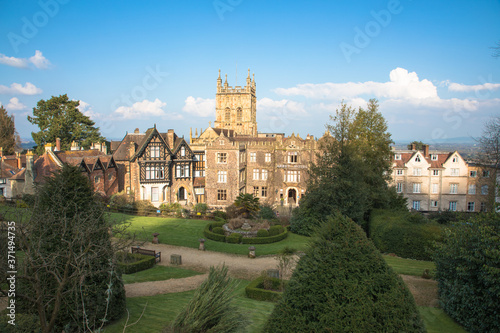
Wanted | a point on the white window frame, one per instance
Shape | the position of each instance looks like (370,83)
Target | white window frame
(222,158)
(264,174)
(455,172)
(473,173)
(253,157)
(154,151)
(472,189)
(416,204)
(471,206)
(435,172)
(399,172)
(155,194)
(434,203)
(417,171)
(453,188)
(256,174)
(397,157)
(453,206)
(435,188)
(399,188)
(221,176)
(417,187)
(268,157)
(434,157)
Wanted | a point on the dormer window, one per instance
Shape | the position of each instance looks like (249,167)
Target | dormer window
(455,159)
(397,156)
(417,159)
(434,157)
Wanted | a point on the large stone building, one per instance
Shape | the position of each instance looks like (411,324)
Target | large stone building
(219,162)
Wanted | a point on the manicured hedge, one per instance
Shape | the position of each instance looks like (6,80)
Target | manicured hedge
(468,272)
(211,235)
(262,233)
(275,230)
(208,233)
(143,262)
(265,240)
(234,238)
(403,234)
(256,291)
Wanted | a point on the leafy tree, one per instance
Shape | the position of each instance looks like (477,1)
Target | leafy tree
(419,145)
(343,284)
(69,276)
(247,204)
(59,117)
(489,144)
(468,271)
(9,139)
(211,309)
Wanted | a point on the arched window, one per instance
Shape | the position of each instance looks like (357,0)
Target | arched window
(239,115)
(227,116)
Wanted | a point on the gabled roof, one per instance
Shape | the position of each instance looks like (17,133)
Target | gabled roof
(121,153)
(406,157)
(179,142)
(150,133)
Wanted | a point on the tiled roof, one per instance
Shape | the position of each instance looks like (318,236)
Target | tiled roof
(121,153)
(406,156)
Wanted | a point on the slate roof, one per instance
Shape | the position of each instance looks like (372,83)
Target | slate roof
(406,156)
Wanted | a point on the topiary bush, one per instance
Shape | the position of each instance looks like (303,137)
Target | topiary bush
(129,263)
(219,214)
(218,230)
(344,284)
(404,234)
(208,232)
(234,238)
(468,272)
(265,240)
(262,233)
(256,290)
(276,230)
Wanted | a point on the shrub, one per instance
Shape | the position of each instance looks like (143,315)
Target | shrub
(468,271)
(200,208)
(394,232)
(144,207)
(265,240)
(208,232)
(256,290)
(29,199)
(234,238)
(276,230)
(121,200)
(219,214)
(211,309)
(302,222)
(25,322)
(266,212)
(262,233)
(232,211)
(129,263)
(218,230)
(344,284)
(21,204)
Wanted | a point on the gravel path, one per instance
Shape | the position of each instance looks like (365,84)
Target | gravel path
(239,266)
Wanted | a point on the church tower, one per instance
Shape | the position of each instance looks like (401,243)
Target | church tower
(236,107)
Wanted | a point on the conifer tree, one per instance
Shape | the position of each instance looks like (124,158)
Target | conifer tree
(8,134)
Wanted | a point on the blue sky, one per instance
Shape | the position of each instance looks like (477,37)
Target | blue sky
(139,63)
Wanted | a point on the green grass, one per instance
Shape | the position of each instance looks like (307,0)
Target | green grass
(410,266)
(158,273)
(187,232)
(162,309)
(437,321)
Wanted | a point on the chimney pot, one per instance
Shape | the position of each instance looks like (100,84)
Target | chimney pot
(48,147)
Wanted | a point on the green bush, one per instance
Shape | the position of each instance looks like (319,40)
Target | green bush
(21,204)
(219,214)
(404,234)
(200,208)
(255,290)
(25,322)
(29,199)
(265,240)
(262,233)
(266,212)
(144,207)
(468,272)
(218,230)
(343,284)
(129,263)
(276,230)
(208,232)
(170,207)
(234,238)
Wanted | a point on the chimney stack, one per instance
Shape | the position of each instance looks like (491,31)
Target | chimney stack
(48,146)
(413,146)
(58,144)
(75,146)
(426,150)
(18,158)
(171,138)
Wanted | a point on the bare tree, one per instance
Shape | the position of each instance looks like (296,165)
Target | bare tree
(489,144)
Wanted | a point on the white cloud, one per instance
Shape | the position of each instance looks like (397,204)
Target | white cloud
(402,84)
(282,107)
(12,61)
(15,105)
(143,109)
(18,89)
(88,111)
(201,107)
(38,60)
(458,87)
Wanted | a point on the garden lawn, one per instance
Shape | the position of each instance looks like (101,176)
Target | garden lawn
(161,310)
(437,321)
(410,266)
(158,273)
(187,232)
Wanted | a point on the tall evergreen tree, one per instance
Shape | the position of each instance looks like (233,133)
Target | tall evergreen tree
(8,134)
(343,284)
(59,117)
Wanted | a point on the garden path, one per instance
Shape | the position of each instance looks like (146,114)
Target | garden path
(239,266)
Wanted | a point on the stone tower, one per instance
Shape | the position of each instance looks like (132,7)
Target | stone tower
(236,107)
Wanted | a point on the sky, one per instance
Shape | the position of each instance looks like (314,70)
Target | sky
(134,64)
